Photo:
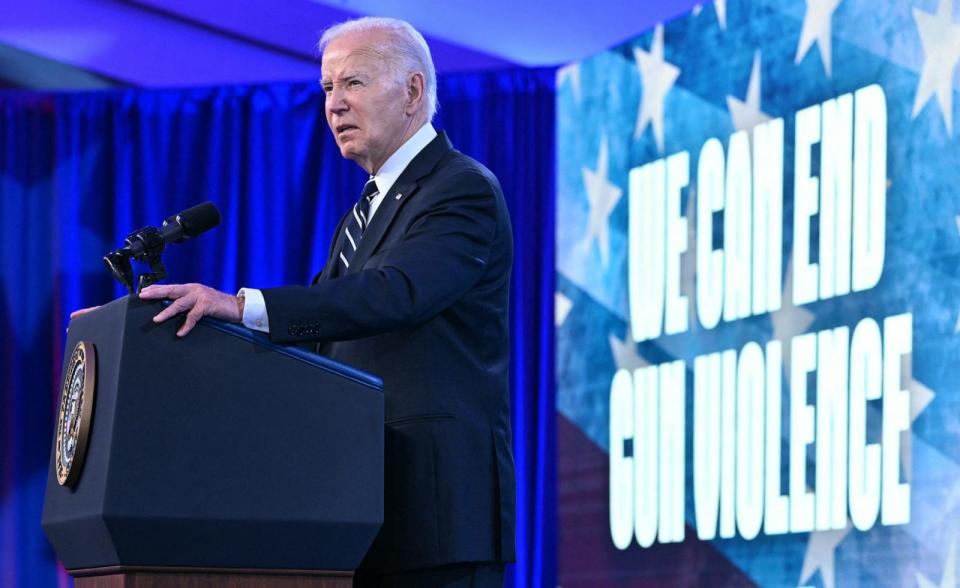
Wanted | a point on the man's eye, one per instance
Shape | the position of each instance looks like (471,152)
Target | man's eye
(354,84)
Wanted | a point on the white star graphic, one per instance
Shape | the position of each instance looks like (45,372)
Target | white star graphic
(816,29)
(571,72)
(603,197)
(746,114)
(951,502)
(821,555)
(941,46)
(721,8)
(657,77)
(920,398)
(790,320)
(561,306)
(949,577)
(625,352)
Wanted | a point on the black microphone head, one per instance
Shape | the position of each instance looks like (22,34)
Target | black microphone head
(195,220)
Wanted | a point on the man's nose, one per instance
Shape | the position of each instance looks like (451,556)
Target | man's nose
(337,100)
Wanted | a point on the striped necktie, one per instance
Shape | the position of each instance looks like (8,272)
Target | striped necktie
(357,222)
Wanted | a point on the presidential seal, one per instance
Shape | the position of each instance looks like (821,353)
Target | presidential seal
(76,412)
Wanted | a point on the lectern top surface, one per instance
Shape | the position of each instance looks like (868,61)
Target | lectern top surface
(314,359)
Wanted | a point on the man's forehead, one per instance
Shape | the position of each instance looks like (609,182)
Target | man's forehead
(344,61)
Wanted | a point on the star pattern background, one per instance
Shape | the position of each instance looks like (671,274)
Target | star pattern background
(724,67)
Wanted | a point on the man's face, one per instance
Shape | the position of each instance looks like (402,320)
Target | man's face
(365,103)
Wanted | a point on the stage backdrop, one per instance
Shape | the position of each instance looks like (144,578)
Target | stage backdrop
(79,171)
(757,299)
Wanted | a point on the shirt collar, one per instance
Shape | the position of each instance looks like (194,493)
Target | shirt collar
(401,158)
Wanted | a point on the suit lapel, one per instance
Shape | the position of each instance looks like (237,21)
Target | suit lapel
(403,189)
(331,268)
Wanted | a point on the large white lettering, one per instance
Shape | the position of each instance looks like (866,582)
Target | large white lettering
(647,455)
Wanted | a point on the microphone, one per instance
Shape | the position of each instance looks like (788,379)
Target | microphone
(176,229)
(148,243)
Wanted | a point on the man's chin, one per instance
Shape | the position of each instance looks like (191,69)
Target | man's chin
(347,152)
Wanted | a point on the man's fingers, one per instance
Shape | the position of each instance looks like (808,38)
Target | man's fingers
(166,313)
(77,313)
(172,291)
(185,328)
(154,292)
(190,321)
(196,300)
(176,307)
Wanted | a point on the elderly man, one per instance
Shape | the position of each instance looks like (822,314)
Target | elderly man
(414,290)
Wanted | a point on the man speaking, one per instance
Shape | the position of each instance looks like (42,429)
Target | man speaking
(415,291)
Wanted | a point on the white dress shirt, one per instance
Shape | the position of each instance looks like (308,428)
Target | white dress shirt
(255,308)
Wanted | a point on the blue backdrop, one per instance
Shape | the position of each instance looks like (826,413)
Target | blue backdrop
(78,171)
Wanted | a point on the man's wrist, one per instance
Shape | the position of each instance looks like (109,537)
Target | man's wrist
(241,302)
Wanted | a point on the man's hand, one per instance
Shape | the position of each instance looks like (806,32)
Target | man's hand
(197,301)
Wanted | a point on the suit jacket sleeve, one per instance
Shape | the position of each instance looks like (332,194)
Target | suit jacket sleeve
(425,265)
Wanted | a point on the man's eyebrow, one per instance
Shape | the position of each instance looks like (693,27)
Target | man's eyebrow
(343,77)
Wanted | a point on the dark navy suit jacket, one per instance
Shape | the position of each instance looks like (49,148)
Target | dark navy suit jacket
(424,306)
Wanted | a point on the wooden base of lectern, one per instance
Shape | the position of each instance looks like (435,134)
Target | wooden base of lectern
(159,577)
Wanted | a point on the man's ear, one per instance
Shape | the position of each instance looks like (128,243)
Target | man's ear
(415,93)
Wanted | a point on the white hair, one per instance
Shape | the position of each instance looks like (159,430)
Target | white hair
(406,52)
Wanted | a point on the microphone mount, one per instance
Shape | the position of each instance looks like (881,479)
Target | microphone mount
(147,244)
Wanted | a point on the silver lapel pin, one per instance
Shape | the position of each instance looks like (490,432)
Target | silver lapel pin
(399,196)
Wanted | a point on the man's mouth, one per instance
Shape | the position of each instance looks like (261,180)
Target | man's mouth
(344,128)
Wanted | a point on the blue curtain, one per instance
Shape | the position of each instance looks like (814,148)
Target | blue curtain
(78,171)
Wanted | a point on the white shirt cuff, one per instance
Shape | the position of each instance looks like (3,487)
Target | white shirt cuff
(254,310)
